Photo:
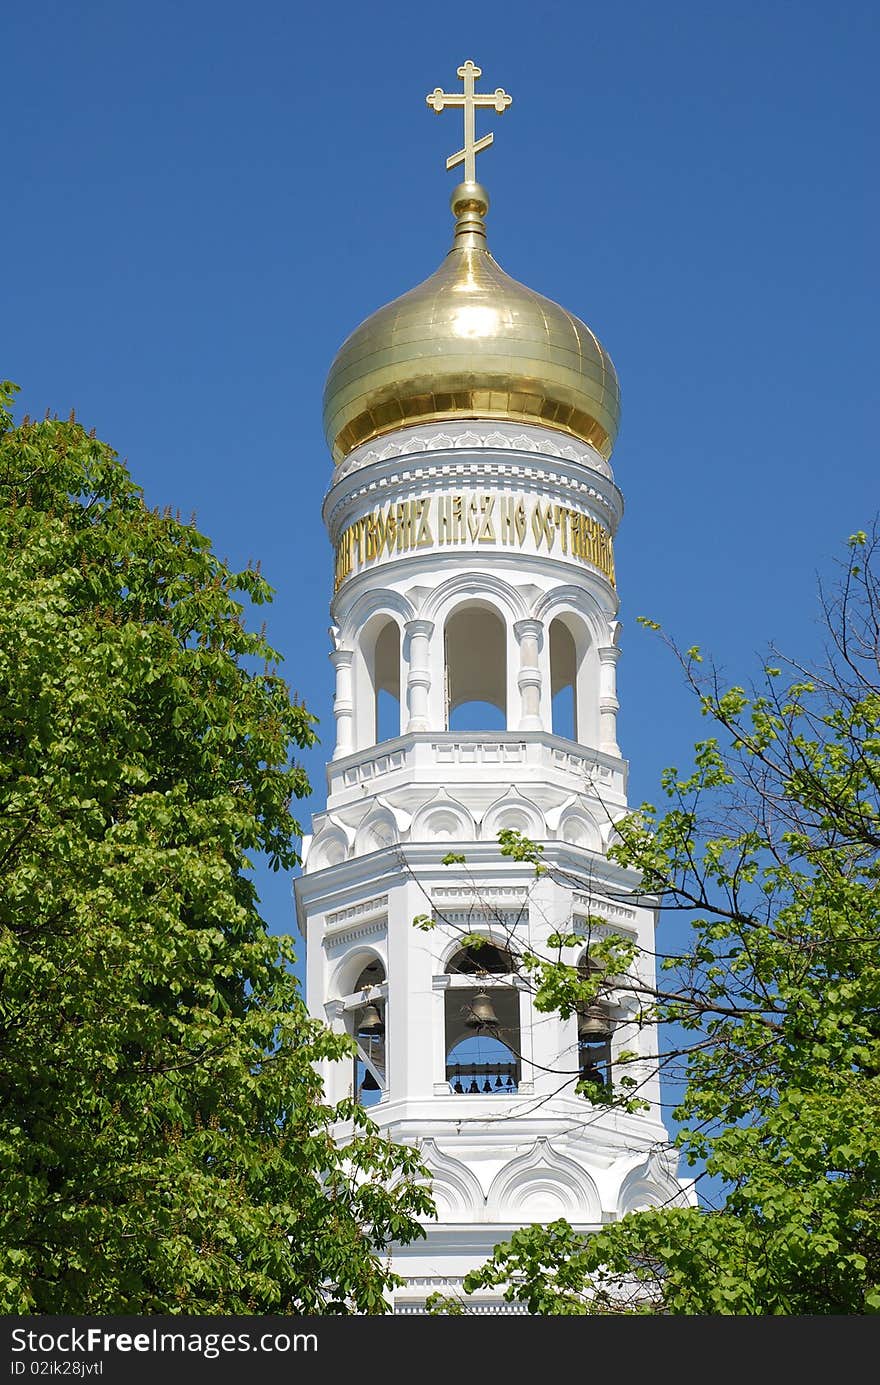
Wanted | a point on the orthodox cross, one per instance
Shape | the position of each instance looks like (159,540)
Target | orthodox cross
(470,99)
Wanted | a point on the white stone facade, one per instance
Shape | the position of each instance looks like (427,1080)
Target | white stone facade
(473,568)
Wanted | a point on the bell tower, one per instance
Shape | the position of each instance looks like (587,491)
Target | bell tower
(472,513)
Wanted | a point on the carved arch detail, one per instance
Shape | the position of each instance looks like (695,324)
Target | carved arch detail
(384,601)
(442,818)
(457,1191)
(513,810)
(484,587)
(542,1185)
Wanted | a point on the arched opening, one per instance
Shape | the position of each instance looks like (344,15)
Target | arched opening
(595,1028)
(368,1027)
(386,682)
(563,681)
(476,670)
(482,959)
(482,1024)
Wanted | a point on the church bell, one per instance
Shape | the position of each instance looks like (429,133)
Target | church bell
(481,1014)
(595,1025)
(370,1022)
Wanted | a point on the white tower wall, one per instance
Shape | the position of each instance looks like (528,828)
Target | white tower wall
(471,539)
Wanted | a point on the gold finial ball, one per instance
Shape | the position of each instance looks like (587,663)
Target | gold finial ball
(469,198)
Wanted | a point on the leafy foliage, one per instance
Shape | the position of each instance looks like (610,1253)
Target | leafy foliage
(164,1146)
(769,851)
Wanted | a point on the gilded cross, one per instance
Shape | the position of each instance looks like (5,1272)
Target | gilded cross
(469,99)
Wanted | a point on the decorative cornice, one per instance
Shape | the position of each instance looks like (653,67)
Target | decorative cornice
(489,892)
(610,908)
(499,918)
(478,1308)
(343,936)
(435,1281)
(369,906)
(443,473)
(408,442)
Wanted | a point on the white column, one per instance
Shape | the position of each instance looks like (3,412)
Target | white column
(529,633)
(343,705)
(338,1075)
(608,703)
(418,678)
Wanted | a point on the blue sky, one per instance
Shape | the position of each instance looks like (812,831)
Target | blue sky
(201,200)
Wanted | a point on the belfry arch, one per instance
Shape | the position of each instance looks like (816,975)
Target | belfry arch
(573,674)
(563,680)
(367,1025)
(386,682)
(482,1034)
(377,681)
(475,669)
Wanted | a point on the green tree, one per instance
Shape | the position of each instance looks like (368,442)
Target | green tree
(164,1145)
(768,850)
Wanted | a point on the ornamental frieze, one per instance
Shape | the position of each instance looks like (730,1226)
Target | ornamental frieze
(470,520)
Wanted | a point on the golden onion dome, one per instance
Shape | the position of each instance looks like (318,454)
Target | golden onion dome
(470,342)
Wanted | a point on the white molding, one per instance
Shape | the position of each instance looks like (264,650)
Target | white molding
(597,904)
(472,433)
(481,917)
(343,936)
(369,906)
(498,892)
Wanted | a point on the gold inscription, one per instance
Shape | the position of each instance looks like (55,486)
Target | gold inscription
(472,519)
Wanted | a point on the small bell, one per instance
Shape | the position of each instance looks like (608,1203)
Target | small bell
(487,1085)
(456,1086)
(481,1013)
(473,1087)
(369,1083)
(371,1021)
(498,1082)
(595,1025)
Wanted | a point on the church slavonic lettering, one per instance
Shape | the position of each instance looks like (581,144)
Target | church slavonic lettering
(487,528)
(560,515)
(505,518)
(404,516)
(425,538)
(450,521)
(373,541)
(458,518)
(542,525)
(359,537)
(444,518)
(473,518)
(575,534)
